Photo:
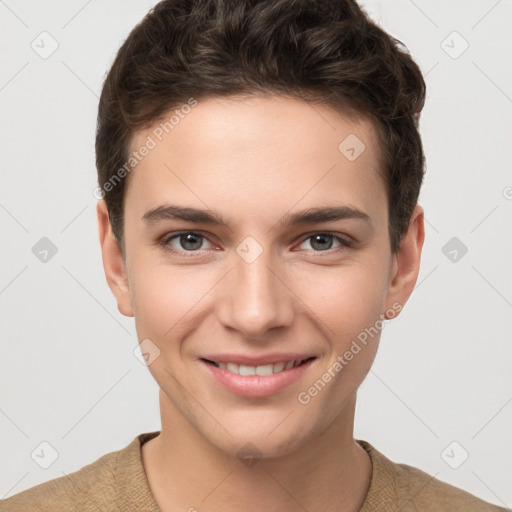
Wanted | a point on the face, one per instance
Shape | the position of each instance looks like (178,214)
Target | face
(282,272)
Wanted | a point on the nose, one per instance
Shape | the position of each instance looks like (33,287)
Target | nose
(255,297)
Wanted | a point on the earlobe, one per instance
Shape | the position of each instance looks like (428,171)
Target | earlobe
(113,262)
(406,262)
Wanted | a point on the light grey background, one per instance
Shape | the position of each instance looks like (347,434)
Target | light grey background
(68,373)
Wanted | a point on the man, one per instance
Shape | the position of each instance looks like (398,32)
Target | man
(260,164)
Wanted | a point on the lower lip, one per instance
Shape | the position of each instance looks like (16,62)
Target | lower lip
(256,386)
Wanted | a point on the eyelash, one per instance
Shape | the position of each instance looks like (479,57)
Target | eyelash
(165,241)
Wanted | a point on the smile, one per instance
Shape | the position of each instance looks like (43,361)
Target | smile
(256,381)
(262,370)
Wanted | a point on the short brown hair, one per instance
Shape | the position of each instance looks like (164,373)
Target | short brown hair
(326,51)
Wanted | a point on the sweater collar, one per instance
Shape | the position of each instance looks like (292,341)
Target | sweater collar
(383,492)
(134,493)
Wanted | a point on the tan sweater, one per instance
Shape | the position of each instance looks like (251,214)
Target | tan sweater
(117,482)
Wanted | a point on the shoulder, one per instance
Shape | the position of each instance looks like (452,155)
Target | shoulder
(428,493)
(90,488)
(410,489)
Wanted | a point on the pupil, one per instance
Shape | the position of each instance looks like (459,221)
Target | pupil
(189,239)
(321,237)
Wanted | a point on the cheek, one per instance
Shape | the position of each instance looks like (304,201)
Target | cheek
(166,299)
(346,299)
(348,302)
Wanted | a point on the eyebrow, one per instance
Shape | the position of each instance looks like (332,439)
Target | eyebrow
(308,216)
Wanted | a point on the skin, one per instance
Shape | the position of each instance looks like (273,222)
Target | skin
(255,160)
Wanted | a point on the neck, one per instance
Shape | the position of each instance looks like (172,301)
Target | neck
(331,472)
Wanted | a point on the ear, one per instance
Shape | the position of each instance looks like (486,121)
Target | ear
(113,262)
(406,262)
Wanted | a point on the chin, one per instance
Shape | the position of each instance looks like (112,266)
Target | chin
(261,443)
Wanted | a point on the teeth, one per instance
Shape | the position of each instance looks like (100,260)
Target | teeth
(247,370)
(262,370)
(265,369)
(278,367)
(232,367)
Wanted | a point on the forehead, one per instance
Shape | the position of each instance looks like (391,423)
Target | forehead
(257,152)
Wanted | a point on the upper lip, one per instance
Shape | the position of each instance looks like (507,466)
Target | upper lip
(281,357)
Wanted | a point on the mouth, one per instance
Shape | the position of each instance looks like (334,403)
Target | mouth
(262,370)
(256,381)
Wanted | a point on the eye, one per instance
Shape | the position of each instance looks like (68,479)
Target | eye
(185,242)
(323,242)
(189,242)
